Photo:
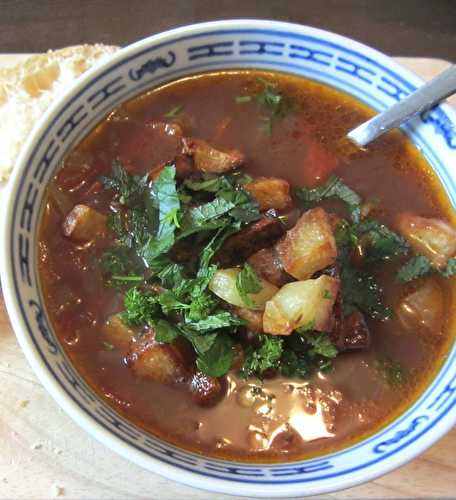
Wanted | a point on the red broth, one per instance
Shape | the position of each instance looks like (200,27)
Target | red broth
(325,412)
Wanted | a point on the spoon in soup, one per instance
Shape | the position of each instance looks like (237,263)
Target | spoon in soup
(437,89)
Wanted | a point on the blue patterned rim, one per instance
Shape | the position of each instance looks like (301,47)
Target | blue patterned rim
(323,56)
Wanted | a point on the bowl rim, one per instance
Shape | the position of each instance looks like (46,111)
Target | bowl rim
(48,380)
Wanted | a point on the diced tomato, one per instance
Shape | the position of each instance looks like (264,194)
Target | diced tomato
(318,164)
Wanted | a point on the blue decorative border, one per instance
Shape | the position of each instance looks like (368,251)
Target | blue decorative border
(101,95)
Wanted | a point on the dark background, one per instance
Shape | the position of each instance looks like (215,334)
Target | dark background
(397,27)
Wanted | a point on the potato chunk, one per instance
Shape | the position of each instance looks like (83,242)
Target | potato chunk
(423,309)
(84,224)
(308,302)
(270,192)
(309,246)
(118,333)
(223,284)
(159,362)
(211,160)
(432,238)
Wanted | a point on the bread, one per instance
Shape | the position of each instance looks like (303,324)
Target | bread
(28,88)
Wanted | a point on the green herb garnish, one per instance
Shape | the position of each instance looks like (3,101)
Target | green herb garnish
(392,372)
(173,112)
(247,282)
(333,188)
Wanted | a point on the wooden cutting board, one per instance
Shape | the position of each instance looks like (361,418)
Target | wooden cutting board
(44,454)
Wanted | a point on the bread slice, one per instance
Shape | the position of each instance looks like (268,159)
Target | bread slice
(28,88)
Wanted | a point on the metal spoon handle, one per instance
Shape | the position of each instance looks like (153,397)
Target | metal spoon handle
(425,97)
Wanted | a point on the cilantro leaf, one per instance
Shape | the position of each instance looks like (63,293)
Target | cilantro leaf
(247,282)
(208,184)
(333,188)
(245,207)
(167,199)
(216,361)
(416,267)
(128,187)
(361,292)
(165,331)
(116,261)
(198,216)
(222,319)
(382,243)
(171,275)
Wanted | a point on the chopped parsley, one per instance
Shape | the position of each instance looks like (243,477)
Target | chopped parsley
(298,355)
(419,266)
(333,188)
(174,112)
(391,372)
(273,102)
(247,282)
(416,267)
(359,288)
(266,357)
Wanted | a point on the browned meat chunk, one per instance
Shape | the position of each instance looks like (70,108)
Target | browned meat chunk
(309,246)
(350,332)
(253,318)
(159,362)
(183,164)
(211,160)
(268,265)
(117,333)
(206,391)
(84,224)
(239,247)
(270,192)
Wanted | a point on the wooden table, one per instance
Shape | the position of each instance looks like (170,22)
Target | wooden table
(420,28)
(45,454)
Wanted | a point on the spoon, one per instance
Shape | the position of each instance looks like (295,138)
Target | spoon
(425,97)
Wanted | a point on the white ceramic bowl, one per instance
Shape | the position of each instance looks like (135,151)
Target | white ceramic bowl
(351,67)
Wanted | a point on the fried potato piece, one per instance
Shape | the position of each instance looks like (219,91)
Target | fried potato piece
(209,159)
(300,303)
(159,362)
(433,238)
(84,224)
(118,333)
(423,309)
(309,246)
(270,192)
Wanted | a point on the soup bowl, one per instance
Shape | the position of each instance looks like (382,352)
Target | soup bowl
(340,62)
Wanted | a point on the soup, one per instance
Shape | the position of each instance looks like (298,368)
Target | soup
(231,275)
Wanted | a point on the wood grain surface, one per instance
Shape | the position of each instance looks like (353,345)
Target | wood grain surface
(44,454)
(424,28)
